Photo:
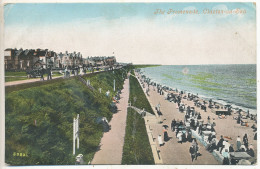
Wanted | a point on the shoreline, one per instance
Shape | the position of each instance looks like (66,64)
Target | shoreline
(220,101)
(226,127)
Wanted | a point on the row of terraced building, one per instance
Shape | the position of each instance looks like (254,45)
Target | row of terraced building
(19,59)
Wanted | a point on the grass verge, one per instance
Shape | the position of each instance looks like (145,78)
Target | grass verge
(137,96)
(137,149)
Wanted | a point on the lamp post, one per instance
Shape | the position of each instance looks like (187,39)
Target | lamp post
(75,133)
(114,85)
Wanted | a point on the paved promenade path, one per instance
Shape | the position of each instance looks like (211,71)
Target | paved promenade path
(12,83)
(28,81)
(112,142)
(173,152)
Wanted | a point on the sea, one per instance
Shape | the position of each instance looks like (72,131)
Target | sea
(226,84)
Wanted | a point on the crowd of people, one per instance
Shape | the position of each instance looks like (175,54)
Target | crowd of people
(40,72)
(192,121)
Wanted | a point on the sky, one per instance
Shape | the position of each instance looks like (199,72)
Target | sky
(136,33)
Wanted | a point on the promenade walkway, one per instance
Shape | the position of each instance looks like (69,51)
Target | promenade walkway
(173,152)
(112,142)
(12,83)
(28,81)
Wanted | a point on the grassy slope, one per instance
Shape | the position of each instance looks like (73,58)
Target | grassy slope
(137,149)
(105,81)
(53,105)
(137,96)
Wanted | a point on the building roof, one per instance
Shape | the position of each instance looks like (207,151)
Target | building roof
(9,49)
(19,52)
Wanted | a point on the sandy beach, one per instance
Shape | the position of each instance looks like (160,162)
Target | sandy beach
(176,153)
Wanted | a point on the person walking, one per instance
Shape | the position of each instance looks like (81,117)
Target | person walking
(166,137)
(158,106)
(196,147)
(192,153)
(173,124)
(208,120)
(42,71)
(200,129)
(65,72)
(160,141)
(189,136)
(179,136)
(245,141)
(177,131)
(49,73)
(238,143)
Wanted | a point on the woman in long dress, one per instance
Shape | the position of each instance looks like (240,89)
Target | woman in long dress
(196,147)
(179,136)
(160,141)
(245,141)
(166,137)
(238,143)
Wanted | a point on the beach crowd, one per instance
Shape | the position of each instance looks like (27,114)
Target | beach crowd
(193,128)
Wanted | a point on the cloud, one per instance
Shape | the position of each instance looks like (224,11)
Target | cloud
(142,40)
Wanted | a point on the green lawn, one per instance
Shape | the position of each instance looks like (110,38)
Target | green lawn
(17,76)
(137,149)
(22,73)
(55,74)
(10,79)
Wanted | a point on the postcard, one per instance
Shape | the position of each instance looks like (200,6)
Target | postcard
(101,84)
